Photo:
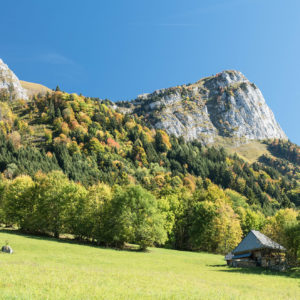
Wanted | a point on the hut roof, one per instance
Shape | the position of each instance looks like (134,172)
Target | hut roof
(256,240)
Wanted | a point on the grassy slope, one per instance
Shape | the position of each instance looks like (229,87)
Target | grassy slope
(34,88)
(44,268)
(249,151)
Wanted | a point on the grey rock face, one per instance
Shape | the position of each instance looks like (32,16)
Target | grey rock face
(10,83)
(225,105)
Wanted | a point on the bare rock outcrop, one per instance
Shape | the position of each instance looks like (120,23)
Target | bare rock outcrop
(225,105)
(10,84)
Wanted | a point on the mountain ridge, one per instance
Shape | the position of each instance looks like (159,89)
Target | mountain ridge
(224,105)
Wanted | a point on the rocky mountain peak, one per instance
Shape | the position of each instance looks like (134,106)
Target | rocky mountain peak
(224,105)
(226,78)
(10,84)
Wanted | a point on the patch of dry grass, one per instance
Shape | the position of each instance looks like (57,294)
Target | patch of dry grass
(34,88)
(249,151)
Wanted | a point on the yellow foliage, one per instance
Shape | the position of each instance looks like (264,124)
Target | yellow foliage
(65,128)
(84,118)
(119,117)
(68,114)
(48,135)
(73,147)
(15,138)
(189,181)
(130,124)
(95,145)
(165,138)
(275,226)
(159,180)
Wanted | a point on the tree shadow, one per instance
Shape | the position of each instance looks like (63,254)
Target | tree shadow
(73,241)
(291,273)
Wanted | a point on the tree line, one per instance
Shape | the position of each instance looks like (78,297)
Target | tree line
(208,219)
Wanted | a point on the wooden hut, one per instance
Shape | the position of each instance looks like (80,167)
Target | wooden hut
(256,249)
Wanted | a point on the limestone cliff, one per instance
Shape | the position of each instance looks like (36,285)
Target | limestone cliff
(224,105)
(10,84)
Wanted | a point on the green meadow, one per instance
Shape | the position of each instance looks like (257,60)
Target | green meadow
(45,268)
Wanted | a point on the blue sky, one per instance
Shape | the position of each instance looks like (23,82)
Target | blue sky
(119,49)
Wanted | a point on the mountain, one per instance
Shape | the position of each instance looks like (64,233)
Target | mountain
(90,142)
(226,105)
(83,152)
(220,106)
(78,160)
(10,84)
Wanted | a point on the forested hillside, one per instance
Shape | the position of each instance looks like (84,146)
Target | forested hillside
(72,164)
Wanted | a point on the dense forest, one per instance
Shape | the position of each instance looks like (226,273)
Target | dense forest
(73,164)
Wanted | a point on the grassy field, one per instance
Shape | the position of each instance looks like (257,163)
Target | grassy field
(44,268)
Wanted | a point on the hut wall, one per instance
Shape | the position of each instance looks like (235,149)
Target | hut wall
(245,263)
(257,254)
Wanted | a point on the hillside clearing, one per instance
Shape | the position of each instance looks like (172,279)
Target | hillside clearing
(44,268)
(34,88)
(249,151)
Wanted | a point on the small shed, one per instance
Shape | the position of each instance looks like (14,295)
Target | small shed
(256,249)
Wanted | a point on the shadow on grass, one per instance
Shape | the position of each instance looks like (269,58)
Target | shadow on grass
(291,273)
(73,241)
(217,266)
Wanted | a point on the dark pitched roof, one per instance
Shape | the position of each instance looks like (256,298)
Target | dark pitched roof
(256,240)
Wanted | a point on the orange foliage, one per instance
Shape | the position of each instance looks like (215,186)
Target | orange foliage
(119,117)
(112,143)
(62,139)
(49,154)
(74,124)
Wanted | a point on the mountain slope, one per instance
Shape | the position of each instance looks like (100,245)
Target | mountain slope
(224,105)
(34,88)
(90,142)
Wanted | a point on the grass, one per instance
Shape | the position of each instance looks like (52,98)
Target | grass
(250,151)
(34,88)
(45,268)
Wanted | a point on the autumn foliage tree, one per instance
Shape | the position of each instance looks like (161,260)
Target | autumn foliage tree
(133,216)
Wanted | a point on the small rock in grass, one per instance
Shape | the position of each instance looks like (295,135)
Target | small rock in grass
(7,249)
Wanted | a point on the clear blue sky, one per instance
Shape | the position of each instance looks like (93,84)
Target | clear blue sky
(119,49)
